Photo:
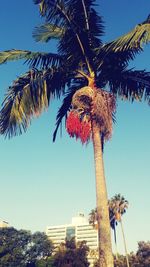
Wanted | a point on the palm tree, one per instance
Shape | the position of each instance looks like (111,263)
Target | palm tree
(93,217)
(113,224)
(118,205)
(89,74)
(115,213)
(94,222)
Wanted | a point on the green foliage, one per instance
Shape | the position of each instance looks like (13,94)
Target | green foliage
(20,248)
(133,40)
(46,32)
(117,207)
(33,59)
(139,259)
(80,54)
(45,262)
(143,254)
(71,255)
(28,97)
(40,248)
(13,245)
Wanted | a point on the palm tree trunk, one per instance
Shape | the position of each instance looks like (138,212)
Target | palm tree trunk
(104,234)
(124,241)
(115,238)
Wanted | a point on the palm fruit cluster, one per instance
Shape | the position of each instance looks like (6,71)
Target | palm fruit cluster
(78,127)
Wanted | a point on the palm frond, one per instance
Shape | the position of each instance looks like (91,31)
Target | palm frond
(46,32)
(118,204)
(131,85)
(29,95)
(34,59)
(120,51)
(44,60)
(82,31)
(62,112)
(88,21)
(132,41)
(14,54)
(52,10)
(108,63)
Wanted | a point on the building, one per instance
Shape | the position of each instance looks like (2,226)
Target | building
(4,224)
(81,230)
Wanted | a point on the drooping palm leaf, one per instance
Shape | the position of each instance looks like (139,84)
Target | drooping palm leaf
(45,60)
(132,41)
(131,85)
(108,63)
(81,50)
(46,32)
(120,51)
(14,54)
(62,112)
(34,59)
(28,97)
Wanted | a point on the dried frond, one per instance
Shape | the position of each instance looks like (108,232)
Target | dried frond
(103,108)
(82,98)
(97,103)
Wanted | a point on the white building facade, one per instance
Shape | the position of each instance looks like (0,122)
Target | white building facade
(81,230)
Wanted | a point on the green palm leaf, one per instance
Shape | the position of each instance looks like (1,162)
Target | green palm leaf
(47,31)
(34,59)
(132,41)
(131,85)
(62,112)
(81,31)
(13,54)
(52,10)
(28,97)
(44,60)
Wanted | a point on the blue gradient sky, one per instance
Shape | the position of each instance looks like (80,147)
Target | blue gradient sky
(42,183)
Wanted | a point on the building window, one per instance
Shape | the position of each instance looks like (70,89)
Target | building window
(70,233)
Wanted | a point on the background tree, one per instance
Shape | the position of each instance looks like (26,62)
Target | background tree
(90,75)
(71,254)
(139,259)
(118,205)
(143,254)
(23,249)
(93,217)
(13,247)
(40,248)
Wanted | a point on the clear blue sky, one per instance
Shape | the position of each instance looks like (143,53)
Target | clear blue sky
(44,183)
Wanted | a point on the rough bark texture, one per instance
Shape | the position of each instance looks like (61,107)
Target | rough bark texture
(105,249)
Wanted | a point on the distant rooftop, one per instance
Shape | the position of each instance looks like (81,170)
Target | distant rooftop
(4,224)
(80,219)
